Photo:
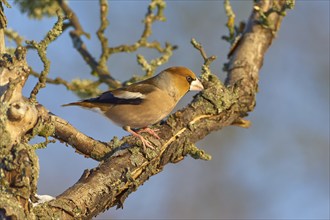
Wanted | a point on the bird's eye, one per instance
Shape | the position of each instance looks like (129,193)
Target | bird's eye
(189,79)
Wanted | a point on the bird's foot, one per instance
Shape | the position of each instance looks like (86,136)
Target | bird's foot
(150,131)
(145,142)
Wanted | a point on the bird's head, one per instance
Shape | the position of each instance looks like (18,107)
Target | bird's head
(183,79)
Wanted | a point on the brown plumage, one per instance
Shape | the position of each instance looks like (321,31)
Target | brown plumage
(144,103)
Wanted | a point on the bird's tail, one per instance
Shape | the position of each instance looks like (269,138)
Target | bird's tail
(81,104)
(98,107)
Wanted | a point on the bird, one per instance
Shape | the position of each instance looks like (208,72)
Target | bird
(139,105)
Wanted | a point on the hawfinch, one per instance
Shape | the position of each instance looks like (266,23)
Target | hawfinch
(144,103)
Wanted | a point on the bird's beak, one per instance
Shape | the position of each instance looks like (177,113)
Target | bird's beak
(196,85)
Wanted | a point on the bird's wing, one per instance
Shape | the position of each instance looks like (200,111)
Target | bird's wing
(133,95)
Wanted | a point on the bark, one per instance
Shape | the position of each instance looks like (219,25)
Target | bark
(124,166)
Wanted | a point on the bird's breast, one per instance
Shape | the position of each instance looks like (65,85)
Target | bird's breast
(155,107)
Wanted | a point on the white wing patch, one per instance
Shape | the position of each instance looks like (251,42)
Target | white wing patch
(129,95)
(96,109)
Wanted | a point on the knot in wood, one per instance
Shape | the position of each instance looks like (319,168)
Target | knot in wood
(16,111)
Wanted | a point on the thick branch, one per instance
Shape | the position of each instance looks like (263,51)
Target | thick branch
(113,180)
(19,164)
(246,58)
(64,131)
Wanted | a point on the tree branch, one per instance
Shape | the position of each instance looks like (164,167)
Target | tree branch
(65,132)
(125,166)
(218,106)
(41,47)
(102,73)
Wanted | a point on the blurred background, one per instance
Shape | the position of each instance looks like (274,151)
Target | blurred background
(276,169)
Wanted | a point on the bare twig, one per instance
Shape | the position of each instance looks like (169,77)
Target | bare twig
(103,74)
(100,33)
(56,81)
(78,43)
(74,21)
(149,19)
(277,8)
(235,32)
(198,46)
(151,67)
(100,68)
(82,87)
(142,42)
(41,48)
(230,21)
(13,35)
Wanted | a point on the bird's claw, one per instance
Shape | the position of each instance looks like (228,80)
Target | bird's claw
(146,143)
(150,131)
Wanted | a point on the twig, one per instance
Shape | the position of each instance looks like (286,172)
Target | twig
(278,9)
(83,88)
(99,68)
(41,48)
(6,3)
(230,22)
(13,35)
(198,46)
(149,19)
(142,42)
(103,74)
(151,67)
(56,81)
(74,21)
(100,33)
(44,144)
